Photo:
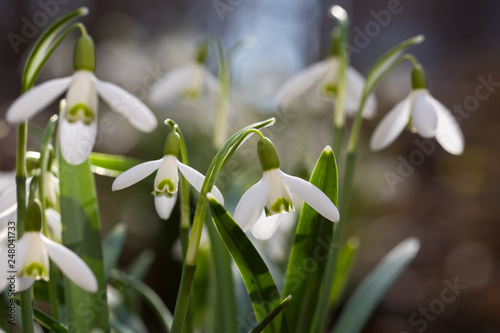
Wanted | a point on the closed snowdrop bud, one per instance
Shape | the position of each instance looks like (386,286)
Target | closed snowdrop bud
(424,114)
(261,207)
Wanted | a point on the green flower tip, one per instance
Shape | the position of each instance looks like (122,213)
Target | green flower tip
(84,56)
(418,80)
(202,52)
(336,42)
(268,156)
(172,144)
(34,216)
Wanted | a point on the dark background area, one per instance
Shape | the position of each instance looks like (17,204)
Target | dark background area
(451,203)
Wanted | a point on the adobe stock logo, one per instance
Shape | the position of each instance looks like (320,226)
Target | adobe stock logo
(30,28)
(420,320)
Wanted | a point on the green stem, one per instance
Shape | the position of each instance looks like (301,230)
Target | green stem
(185,224)
(43,165)
(25,296)
(189,267)
(220,127)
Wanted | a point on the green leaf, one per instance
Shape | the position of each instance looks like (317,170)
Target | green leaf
(45,45)
(150,297)
(113,246)
(310,250)
(362,303)
(48,322)
(82,234)
(140,266)
(345,262)
(256,276)
(111,165)
(266,321)
(45,320)
(388,61)
(223,276)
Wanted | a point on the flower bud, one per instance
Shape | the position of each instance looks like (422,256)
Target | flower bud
(34,216)
(84,56)
(418,80)
(268,156)
(172,144)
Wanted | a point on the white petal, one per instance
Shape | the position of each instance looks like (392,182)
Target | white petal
(126,104)
(8,199)
(53,219)
(36,99)
(265,226)
(7,179)
(313,196)
(355,84)
(20,255)
(23,283)
(135,174)
(71,265)
(76,140)
(196,179)
(448,133)
(210,84)
(423,114)
(172,86)
(302,81)
(164,205)
(392,125)
(251,204)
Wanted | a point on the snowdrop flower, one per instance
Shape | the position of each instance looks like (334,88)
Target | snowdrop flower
(321,79)
(33,251)
(188,82)
(425,116)
(260,208)
(167,178)
(78,119)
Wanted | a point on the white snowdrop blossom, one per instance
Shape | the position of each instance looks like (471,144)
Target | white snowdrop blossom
(321,79)
(78,119)
(166,182)
(185,83)
(31,258)
(261,207)
(424,114)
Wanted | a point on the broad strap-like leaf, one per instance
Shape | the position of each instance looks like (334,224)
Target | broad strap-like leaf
(140,266)
(266,321)
(111,165)
(82,234)
(256,276)
(310,249)
(113,246)
(363,302)
(345,262)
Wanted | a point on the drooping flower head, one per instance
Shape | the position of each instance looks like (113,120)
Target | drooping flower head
(186,83)
(320,81)
(424,115)
(33,251)
(261,207)
(78,118)
(166,182)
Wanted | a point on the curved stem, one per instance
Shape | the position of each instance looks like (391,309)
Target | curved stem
(189,267)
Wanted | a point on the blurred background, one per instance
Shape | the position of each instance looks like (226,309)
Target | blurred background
(451,203)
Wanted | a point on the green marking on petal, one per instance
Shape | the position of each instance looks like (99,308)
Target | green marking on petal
(165,187)
(192,93)
(80,111)
(281,205)
(36,271)
(330,89)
